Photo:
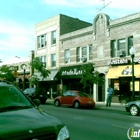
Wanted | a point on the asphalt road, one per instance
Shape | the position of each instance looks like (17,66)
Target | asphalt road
(94,124)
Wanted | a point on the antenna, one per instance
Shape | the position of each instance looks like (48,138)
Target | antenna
(104,5)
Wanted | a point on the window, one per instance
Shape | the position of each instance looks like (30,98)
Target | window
(43,59)
(130,43)
(121,44)
(78,54)
(53,60)
(90,52)
(67,56)
(120,48)
(42,41)
(84,54)
(53,35)
(113,48)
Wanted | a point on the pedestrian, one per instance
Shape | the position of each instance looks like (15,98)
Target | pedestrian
(110,92)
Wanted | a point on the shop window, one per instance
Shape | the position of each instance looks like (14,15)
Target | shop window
(53,37)
(42,41)
(67,56)
(53,60)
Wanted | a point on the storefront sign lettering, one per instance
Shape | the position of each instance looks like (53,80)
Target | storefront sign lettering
(72,72)
(137,60)
(118,61)
(122,61)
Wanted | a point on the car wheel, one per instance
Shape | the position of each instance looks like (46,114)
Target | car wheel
(134,111)
(76,104)
(57,103)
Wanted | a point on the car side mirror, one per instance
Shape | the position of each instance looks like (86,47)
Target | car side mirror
(37,102)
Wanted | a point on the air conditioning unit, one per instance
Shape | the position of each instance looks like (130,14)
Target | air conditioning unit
(83,59)
(121,53)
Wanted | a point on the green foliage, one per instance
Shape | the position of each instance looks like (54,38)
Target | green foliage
(39,66)
(34,80)
(6,73)
(90,77)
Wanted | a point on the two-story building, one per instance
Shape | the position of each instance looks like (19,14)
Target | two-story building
(106,44)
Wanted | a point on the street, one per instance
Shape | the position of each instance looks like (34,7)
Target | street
(94,124)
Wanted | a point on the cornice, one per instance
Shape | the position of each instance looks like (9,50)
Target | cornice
(124,23)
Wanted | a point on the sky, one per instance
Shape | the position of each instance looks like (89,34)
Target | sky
(19,17)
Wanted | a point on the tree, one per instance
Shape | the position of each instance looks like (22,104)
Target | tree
(6,73)
(39,66)
(90,77)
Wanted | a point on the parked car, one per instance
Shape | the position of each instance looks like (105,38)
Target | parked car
(133,107)
(21,119)
(74,98)
(31,93)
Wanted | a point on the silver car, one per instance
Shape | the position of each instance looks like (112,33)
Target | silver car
(133,107)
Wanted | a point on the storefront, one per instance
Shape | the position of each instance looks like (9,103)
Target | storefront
(50,83)
(120,76)
(70,77)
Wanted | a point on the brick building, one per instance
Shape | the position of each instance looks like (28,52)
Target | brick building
(106,44)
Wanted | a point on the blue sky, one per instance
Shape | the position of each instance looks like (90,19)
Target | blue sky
(18,19)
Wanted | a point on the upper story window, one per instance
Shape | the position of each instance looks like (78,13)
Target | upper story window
(43,59)
(67,56)
(53,60)
(120,48)
(53,37)
(130,43)
(42,41)
(90,49)
(84,54)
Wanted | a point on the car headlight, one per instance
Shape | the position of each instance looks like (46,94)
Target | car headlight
(63,134)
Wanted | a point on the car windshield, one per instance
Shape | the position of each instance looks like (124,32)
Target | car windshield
(12,98)
(82,94)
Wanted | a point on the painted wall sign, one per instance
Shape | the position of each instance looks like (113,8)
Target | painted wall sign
(74,71)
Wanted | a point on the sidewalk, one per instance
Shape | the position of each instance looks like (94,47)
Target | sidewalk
(101,105)
(114,106)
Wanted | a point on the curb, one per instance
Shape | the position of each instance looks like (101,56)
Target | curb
(100,105)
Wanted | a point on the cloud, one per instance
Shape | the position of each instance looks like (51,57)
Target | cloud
(15,39)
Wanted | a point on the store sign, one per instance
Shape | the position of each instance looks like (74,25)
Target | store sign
(118,61)
(74,71)
(137,60)
(122,61)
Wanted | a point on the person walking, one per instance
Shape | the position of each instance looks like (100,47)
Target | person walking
(110,92)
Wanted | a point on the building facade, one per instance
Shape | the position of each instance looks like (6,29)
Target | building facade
(47,45)
(65,44)
(107,42)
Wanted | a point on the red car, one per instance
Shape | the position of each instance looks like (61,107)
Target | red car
(74,98)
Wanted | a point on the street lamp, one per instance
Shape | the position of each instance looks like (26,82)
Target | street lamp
(132,53)
(23,66)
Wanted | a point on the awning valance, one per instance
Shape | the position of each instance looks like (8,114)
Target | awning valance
(123,71)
